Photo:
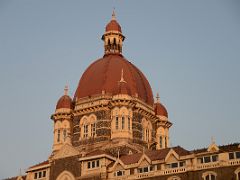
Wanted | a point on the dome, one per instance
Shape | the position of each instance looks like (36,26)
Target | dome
(160,110)
(65,101)
(113,25)
(106,73)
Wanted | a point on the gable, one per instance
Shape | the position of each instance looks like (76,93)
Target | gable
(172,156)
(66,151)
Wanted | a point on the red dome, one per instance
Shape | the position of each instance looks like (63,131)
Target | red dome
(105,74)
(160,110)
(64,102)
(113,26)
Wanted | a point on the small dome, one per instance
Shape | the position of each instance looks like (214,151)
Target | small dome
(113,25)
(160,110)
(65,101)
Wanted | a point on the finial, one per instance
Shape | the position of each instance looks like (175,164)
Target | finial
(212,140)
(158,98)
(113,14)
(66,90)
(122,79)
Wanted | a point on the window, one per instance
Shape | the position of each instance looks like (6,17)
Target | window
(176,164)
(174,178)
(93,164)
(238,155)
(44,174)
(145,169)
(116,122)
(85,133)
(123,122)
(231,155)
(131,171)
(210,177)
(160,142)
(35,175)
(64,134)
(119,173)
(93,129)
(58,135)
(39,174)
(166,142)
(208,159)
(129,123)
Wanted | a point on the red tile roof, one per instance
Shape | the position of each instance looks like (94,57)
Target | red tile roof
(40,164)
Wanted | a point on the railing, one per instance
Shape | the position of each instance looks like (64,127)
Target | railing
(234,162)
(207,165)
(174,170)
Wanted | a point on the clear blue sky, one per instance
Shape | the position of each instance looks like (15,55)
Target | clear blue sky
(188,50)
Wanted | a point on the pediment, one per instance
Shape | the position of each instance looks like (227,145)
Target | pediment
(67,150)
(213,148)
(144,160)
(172,156)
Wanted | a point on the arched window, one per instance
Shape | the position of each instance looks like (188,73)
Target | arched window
(160,142)
(58,135)
(129,123)
(93,130)
(123,121)
(174,178)
(166,142)
(210,175)
(64,134)
(147,130)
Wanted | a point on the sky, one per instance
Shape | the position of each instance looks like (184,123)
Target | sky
(188,50)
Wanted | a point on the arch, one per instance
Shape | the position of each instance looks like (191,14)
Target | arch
(83,120)
(209,175)
(237,173)
(66,175)
(174,178)
(146,130)
(115,111)
(161,131)
(123,110)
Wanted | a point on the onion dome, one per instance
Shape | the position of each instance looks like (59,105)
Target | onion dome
(160,110)
(113,25)
(65,101)
(103,75)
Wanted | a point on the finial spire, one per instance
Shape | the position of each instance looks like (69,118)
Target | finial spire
(212,140)
(113,14)
(158,98)
(66,90)
(122,79)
